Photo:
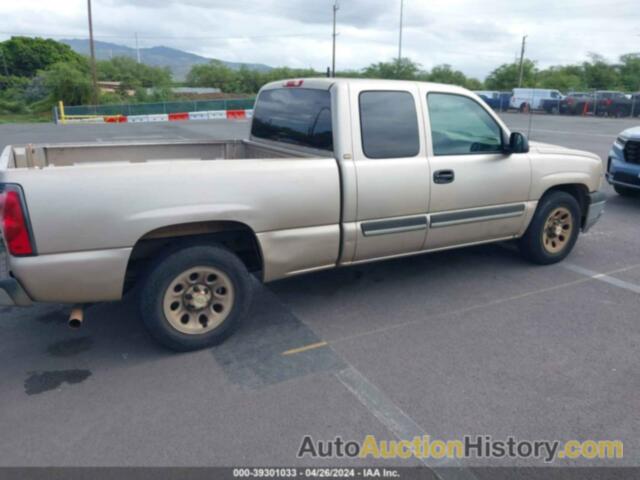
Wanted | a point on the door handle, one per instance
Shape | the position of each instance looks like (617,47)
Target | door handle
(444,176)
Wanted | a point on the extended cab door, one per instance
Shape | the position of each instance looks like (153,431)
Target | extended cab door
(391,168)
(478,192)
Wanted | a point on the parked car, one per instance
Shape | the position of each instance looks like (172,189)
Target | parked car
(599,102)
(604,101)
(567,105)
(623,169)
(623,106)
(574,102)
(553,106)
(497,100)
(335,172)
(525,99)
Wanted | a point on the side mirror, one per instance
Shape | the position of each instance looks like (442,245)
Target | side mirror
(518,143)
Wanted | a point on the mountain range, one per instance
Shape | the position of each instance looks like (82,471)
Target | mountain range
(179,61)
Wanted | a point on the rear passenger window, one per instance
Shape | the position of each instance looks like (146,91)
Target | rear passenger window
(389,124)
(459,126)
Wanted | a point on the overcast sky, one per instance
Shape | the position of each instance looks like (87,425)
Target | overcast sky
(473,36)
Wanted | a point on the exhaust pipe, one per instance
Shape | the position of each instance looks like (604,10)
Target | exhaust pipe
(76,317)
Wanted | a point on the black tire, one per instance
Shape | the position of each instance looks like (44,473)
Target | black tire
(168,268)
(626,191)
(532,242)
(524,108)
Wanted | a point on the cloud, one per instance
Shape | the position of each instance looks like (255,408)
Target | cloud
(472,36)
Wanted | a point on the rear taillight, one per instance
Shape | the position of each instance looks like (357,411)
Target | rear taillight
(14,222)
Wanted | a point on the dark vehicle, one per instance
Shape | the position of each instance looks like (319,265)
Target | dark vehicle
(496,100)
(604,99)
(623,106)
(553,105)
(574,103)
(623,168)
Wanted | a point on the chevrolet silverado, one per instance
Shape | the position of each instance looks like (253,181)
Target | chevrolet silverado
(335,172)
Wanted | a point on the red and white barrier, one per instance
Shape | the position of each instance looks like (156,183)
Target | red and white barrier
(165,117)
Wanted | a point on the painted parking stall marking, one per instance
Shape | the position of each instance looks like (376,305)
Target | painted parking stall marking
(603,277)
(397,421)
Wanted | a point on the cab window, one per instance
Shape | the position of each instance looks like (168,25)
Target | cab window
(389,124)
(299,116)
(460,126)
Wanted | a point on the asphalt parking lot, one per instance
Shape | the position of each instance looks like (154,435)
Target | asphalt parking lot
(473,341)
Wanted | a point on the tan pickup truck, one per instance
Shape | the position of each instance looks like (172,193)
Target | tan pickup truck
(335,172)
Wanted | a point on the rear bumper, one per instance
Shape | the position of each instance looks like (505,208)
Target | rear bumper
(12,293)
(597,201)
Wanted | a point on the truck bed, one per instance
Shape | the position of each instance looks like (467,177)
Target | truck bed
(40,156)
(90,204)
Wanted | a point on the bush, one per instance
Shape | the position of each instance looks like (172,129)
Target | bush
(7,106)
(67,82)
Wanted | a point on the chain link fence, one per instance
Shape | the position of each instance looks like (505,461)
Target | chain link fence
(161,107)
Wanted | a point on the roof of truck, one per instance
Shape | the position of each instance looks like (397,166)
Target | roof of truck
(325,83)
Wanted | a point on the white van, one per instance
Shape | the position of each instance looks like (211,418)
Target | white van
(524,99)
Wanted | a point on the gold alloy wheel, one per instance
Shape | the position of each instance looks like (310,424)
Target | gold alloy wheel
(198,300)
(557,230)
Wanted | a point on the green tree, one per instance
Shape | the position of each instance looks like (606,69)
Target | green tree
(565,78)
(599,74)
(133,74)
(213,74)
(218,75)
(630,71)
(446,74)
(26,56)
(506,76)
(403,69)
(69,83)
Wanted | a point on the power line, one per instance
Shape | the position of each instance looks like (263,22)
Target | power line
(164,37)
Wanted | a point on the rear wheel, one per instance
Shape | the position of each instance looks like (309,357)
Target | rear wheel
(554,229)
(524,108)
(195,297)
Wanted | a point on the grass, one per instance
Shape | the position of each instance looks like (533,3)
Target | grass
(25,118)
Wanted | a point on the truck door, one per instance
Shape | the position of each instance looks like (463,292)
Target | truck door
(478,193)
(391,168)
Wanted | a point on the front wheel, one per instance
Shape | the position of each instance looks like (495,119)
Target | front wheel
(554,229)
(195,297)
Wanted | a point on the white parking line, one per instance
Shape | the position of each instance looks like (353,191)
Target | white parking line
(396,420)
(602,277)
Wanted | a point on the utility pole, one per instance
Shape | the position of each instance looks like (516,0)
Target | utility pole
(94,76)
(400,36)
(336,7)
(137,48)
(524,41)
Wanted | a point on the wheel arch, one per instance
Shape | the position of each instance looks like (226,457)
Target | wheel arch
(577,190)
(238,237)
